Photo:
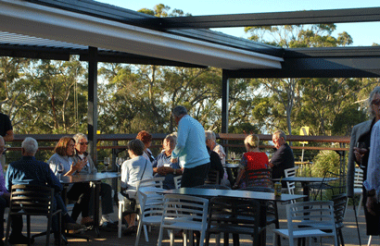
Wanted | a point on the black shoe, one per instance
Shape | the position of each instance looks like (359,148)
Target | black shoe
(19,239)
(130,230)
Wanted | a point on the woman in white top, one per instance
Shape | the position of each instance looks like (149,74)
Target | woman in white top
(133,170)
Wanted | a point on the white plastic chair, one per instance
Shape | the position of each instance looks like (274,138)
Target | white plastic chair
(358,187)
(151,201)
(184,212)
(154,182)
(291,172)
(177,181)
(302,215)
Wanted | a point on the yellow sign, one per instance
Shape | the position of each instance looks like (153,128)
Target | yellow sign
(304,131)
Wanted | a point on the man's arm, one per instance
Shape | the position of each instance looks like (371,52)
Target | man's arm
(182,134)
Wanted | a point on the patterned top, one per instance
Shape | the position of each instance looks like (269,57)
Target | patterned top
(2,181)
(373,169)
(254,160)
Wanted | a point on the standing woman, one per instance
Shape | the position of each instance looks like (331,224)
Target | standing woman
(146,138)
(253,159)
(359,153)
(79,192)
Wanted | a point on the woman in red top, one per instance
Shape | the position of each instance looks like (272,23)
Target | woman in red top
(253,159)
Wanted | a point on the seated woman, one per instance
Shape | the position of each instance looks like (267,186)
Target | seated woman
(253,159)
(133,170)
(79,192)
(146,138)
(163,167)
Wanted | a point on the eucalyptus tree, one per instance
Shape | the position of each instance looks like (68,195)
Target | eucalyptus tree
(283,95)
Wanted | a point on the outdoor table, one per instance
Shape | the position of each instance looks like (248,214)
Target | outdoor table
(262,197)
(96,180)
(305,181)
(232,171)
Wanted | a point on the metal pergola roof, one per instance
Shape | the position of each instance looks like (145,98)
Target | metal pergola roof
(97,32)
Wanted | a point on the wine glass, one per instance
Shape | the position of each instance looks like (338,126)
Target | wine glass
(119,163)
(106,163)
(60,169)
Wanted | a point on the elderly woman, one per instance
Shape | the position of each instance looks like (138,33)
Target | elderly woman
(253,159)
(146,138)
(81,144)
(133,170)
(79,192)
(163,167)
(359,153)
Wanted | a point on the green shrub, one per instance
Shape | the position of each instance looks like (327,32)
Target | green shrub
(325,161)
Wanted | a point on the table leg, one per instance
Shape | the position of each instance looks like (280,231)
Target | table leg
(96,190)
(306,190)
(263,222)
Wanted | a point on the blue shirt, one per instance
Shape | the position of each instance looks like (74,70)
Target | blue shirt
(160,161)
(28,170)
(191,143)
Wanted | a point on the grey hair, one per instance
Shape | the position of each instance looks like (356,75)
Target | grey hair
(373,93)
(179,110)
(172,139)
(279,134)
(210,135)
(30,145)
(79,136)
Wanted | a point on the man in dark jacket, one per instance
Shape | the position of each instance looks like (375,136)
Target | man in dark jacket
(283,158)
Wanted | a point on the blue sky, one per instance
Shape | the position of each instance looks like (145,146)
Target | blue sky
(362,33)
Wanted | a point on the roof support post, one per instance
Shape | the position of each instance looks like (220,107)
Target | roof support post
(92,102)
(225,97)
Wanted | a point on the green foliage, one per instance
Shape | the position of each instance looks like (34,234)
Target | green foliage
(325,161)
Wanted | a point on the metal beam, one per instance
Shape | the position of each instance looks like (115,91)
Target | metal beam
(271,19)
(360,67)
(225,101)
(92,102)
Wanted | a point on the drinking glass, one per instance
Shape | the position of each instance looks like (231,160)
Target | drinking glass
(60,169)
(107,162)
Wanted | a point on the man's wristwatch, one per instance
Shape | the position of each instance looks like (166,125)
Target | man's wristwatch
(175,171)
(371,193)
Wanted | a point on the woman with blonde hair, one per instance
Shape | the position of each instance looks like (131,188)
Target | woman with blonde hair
(253,159)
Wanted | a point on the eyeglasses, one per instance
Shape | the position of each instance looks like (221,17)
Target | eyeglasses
(376,102)
(85,143)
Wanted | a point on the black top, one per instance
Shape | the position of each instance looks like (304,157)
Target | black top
(215,163)
(5,124)
(282,159)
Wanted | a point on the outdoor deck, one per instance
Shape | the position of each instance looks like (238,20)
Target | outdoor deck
(110,238)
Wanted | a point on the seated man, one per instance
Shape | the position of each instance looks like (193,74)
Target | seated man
(163,167)
(28,170)
(283,158)
(81,144)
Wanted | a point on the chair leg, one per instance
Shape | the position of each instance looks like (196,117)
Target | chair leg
(360,204)
(274,239)
(171,237)
(47,229)
(340,238)
(28,228)
(146,233)
(8,229)
(120,217)
(369,240)
(160,236)
(138,233)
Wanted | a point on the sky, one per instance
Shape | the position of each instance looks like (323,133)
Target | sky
(363,34)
